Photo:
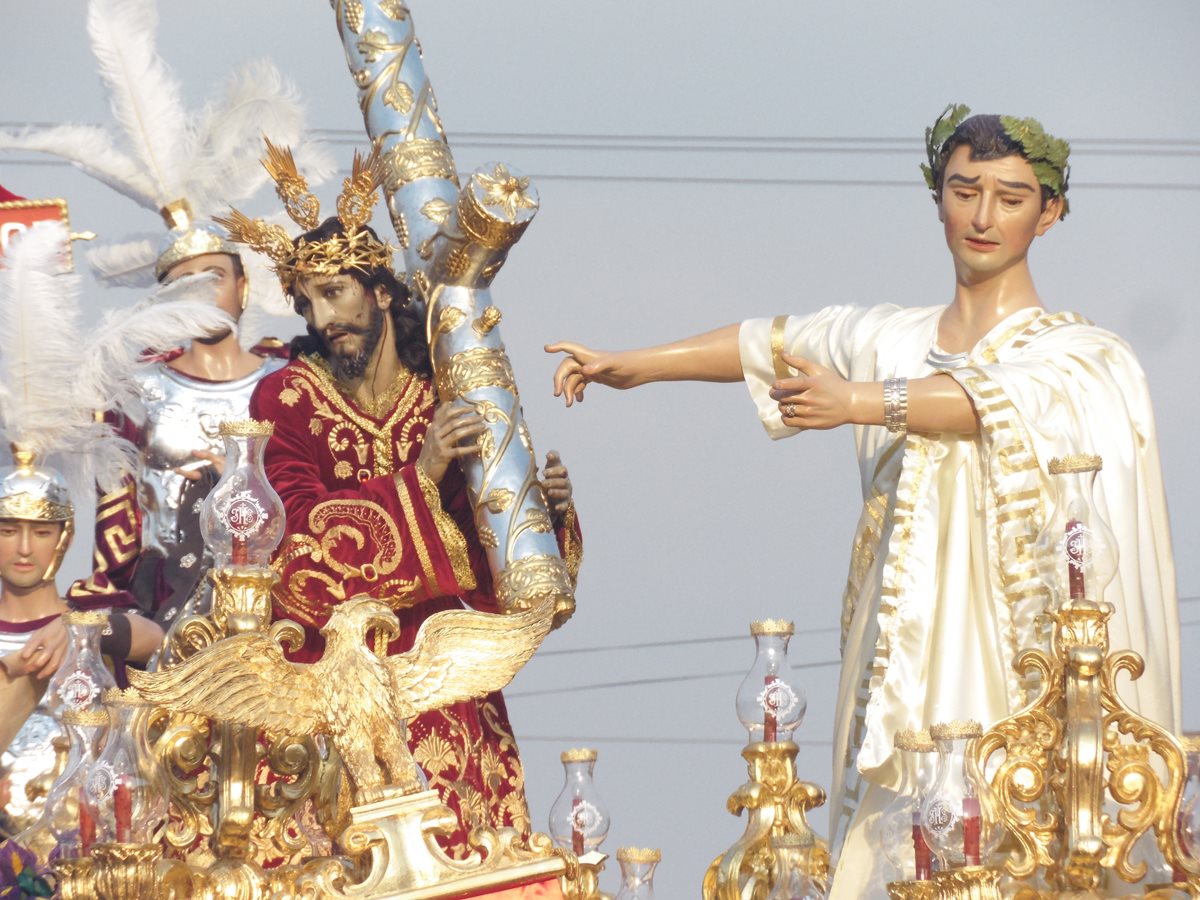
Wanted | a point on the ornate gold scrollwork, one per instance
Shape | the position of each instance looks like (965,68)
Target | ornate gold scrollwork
(417,158)
(181,750)
(776,803)
(472,369)
(1073,749)
(531,579)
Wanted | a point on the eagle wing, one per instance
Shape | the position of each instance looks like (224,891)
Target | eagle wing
(462,654)
(243,679)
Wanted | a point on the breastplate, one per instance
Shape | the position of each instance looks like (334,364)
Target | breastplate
(183,414)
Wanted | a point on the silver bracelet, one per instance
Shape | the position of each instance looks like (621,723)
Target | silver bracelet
(895,404)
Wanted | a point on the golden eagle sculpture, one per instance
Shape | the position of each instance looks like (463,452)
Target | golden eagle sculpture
(361,700)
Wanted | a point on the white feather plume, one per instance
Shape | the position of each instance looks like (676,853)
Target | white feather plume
(93,150)
(125,265)
(143,92)
(39,333)
(54,377)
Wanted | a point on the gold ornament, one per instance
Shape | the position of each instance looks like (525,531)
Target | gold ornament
(357,698)
(353,250)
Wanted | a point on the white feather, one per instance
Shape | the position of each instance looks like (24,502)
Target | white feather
(145,95)
(39,332)
(117,348)
(92,150)
(125,265)
(54,378)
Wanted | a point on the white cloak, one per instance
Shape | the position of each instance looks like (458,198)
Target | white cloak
(943,590)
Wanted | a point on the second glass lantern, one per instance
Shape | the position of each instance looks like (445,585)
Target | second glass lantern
(770,702)
(243,518)
(579,820)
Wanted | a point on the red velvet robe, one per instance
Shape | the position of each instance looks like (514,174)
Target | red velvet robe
(353,528)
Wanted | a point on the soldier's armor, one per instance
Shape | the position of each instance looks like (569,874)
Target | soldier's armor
(182,414)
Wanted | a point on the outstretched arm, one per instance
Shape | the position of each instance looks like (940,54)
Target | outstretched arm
(712,356)
(820,398)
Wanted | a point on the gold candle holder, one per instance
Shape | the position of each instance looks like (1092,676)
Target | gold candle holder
(125,871)
(74,877)
(968,883)
(911,890)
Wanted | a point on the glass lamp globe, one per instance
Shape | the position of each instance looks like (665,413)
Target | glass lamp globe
(770,702)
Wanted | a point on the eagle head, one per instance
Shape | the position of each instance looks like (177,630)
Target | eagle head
(360,614)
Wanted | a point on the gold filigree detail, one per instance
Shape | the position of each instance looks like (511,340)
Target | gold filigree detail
(394,9)
(488,319)
(957,729)
(475,368)
(85,617)
(352,12)
(342,469)
(449,319)
(644,855)
(1076,462)
(416,159)
(29,508)
(578,754)
(475,209)
(780,627)
(245,428)
(913,741)
(436,210)
(453,541)
(488,538)
(354,249)
(289,396)
(498,500)
(532,579)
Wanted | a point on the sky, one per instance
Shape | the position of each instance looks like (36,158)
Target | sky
(698,164)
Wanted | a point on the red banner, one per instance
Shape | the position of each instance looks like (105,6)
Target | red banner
(18,215)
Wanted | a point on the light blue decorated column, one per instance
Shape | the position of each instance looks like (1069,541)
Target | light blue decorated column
(454,240)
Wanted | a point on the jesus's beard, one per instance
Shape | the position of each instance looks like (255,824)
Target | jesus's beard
(347,367)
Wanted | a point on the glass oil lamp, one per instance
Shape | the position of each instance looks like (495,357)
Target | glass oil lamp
(82,677)
(242,519)
(1076,551)
(637,872)
(770,702)
(954,816)
(790,878)
(579,819)
(126,794)
(66,815)
(900,832)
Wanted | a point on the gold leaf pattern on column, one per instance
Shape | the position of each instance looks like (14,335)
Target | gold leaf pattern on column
(498,500)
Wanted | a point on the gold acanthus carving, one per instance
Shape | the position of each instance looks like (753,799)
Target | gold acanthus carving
(415,159)
(532,580)
(1074,750)
(479,367)
(968,883)
(776,803)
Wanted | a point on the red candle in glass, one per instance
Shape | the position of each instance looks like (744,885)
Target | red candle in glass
(576,831)
(770,726)
(123,812)
(1076,549)
(87,830)
(971,829)
(241,551)
(924,856)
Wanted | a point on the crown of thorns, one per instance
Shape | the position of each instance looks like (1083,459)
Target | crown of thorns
(355,248)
